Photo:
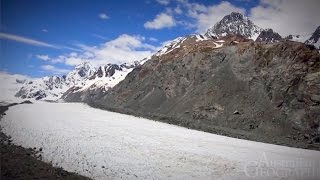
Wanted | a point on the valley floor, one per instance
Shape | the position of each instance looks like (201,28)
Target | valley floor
(105,145)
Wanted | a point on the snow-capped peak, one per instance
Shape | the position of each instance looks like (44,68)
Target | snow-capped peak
(234,24)
(314,39)
(106,77)
(81,72)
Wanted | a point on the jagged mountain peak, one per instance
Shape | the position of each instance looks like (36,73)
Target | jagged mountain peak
(234,16)
(110,69)
(84,69)
(314,39)
(268,35)
(234,24)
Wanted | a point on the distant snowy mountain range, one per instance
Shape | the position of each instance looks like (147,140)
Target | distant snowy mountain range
(10,85)
(86,77)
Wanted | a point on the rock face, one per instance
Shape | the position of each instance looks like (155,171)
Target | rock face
(273,88)
(314,39)
(268,35)
(234,24)
(87,92)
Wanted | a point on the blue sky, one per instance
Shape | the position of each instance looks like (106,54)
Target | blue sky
(51,36)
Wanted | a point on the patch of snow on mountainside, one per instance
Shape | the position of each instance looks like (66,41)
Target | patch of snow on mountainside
(10,84)
(300,38)
(106,145)
(145,60)
(200,37)
(254,36)
(218,45)
(220,41)
(317,44)
(170,46)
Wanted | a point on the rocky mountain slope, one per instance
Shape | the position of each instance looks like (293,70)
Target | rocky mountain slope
(83,77)
(226,84)
(268,92)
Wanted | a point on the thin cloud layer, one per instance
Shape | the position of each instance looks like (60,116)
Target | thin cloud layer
(163,2)
(54,69)
(33,42)
(103,16)
(43,57)
(26,40)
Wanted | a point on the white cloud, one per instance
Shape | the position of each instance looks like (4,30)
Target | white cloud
(54,69)
(153,39)
(208,16)
(45,30)
(163,2)
(43,57)
(103,16)
(59,59)
(73,61)
(178,10)
(33,42)
(162,20)
(47,67)
(124,48)
(99,36)
(71,48)
(287,16)
(26,40)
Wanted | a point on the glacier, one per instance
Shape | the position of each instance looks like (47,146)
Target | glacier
(107,145)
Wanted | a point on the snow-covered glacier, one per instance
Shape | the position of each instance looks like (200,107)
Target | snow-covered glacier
(107,145)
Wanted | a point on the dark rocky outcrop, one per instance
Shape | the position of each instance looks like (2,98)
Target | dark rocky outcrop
(268,35)
(234,24)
